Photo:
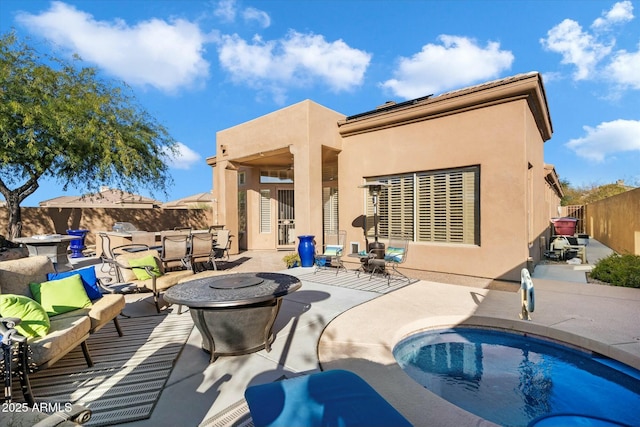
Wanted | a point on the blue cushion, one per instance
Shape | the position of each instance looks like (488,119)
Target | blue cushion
(394,254)
(89,280)
(330,398)
(332,250)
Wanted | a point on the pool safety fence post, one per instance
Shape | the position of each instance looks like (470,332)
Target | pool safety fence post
(527,296)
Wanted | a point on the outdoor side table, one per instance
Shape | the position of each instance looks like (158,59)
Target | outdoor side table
(234,313)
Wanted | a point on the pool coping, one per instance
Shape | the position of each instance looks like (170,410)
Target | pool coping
(602,319)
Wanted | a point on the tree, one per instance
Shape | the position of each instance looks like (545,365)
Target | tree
(62,121)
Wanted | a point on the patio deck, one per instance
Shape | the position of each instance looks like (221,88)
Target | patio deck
(323,326)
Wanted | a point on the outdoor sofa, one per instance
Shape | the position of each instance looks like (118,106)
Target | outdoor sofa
(70,309)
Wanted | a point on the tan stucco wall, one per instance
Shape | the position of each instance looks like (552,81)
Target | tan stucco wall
(615,221)
(493,138)
(59,220)
(297,132)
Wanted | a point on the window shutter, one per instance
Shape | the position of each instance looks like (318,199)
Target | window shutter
(265,211)
(330,208)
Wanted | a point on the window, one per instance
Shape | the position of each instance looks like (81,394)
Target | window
(279,176)
(432,206)
(330,208)
(265,211)
(242,178)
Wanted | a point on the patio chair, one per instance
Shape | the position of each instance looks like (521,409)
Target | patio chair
(333,249)
(145,271)
(144,238)
(222,245)
(106,254)
(202,250)
(394,255)
(176,253)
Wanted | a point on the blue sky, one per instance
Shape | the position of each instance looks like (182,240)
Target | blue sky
(203,66)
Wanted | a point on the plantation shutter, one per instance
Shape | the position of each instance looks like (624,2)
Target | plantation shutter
(265,211)
(330,208)
(446,206)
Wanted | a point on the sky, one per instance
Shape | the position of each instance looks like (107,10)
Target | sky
(202,66)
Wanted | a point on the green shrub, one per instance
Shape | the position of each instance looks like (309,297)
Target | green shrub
(618,270)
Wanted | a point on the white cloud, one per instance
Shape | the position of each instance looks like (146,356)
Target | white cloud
(625,69)
(457,62)
(607,139)
(251,14)
(621,12)
(586,50)
(576,47)
(165,55)
(184,158)
(226,10)
(296,60)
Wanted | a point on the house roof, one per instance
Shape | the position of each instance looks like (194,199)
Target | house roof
(105,198)
(525,85)
(190,201)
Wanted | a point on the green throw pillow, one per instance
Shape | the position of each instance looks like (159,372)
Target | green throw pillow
(62,295)
(140,272)
(35,322)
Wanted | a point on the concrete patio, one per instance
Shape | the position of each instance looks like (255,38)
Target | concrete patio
(325,327)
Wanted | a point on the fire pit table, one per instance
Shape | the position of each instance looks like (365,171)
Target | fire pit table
(234,313)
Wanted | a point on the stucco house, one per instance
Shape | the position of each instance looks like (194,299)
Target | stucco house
(468,183)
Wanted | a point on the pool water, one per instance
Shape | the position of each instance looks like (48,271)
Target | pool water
(512,380)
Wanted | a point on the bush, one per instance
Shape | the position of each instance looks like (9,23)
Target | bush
(618,270)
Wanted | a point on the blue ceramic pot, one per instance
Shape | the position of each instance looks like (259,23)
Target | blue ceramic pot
(77,245)
(306,250)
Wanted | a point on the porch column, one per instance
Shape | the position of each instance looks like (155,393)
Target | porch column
(307,178)
(226,191)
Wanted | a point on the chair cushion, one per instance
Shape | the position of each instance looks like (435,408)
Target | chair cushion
(140,272)
(65,333)
(89,280)
(129,275)
(394,254)
(165,281)
(35,322)
(62,295)
(15,275)
(333,250)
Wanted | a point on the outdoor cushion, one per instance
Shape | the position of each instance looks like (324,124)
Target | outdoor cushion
(101,312)
(89,280)
(15,274)
(145,261)
(165,281)
(127,274)
(394,254)
(333,250)
(62,295)
(330,398)
(35,322)
(64,333)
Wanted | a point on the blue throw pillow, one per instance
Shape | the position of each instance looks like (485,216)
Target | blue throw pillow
(89,280)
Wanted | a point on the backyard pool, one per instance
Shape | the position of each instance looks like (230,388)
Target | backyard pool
(516,380)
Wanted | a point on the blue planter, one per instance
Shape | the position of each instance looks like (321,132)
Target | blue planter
(306,250)
(77,245)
